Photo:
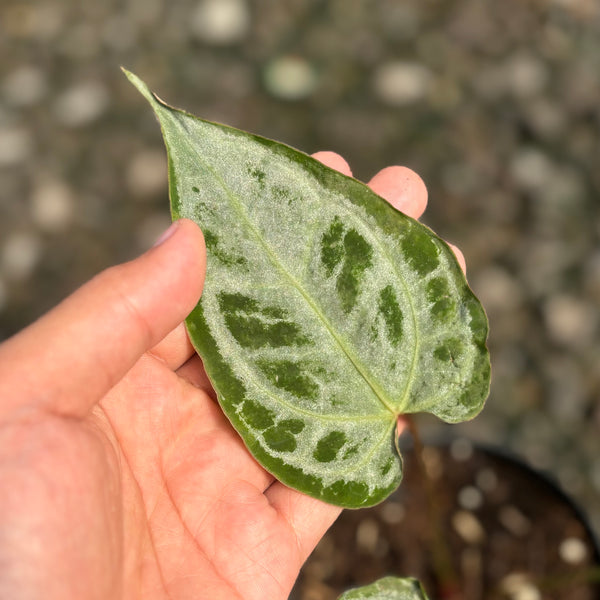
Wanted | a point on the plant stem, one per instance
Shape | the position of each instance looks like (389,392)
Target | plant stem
(443,566)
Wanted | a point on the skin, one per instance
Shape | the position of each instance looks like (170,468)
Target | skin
(121,478)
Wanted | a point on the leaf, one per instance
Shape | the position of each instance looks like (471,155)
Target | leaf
(326,313)
(388,588)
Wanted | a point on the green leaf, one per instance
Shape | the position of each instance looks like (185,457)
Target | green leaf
(326,313)
(388,588)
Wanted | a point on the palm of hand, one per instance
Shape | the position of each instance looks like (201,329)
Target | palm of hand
(210,521)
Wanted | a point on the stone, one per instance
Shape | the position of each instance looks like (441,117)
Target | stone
(221,22)
(400,82)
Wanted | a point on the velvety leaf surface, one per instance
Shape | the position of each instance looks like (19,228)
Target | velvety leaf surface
(388,588)
(326,313)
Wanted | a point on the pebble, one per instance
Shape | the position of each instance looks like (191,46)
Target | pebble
(221,22)
(573,551)
(468,527)
(526,74)
(20,255)
(81,104)
(290,78)
(518,586)
(399,83)
(470,498)
(146,173)
(531,169)
(52,206)
(571,320)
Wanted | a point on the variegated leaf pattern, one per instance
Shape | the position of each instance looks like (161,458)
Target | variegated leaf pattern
(326,313)
(388,588)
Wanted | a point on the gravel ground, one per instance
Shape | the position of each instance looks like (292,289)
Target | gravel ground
(496,105)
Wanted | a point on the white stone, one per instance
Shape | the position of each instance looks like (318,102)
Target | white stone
(52,206)
(570,320)
(398,83)
(21,252)
(24,86)
(527,75)
(573,551)
(468,527)
(146,173)
(470,498)
(517,586)
(531,169)
(290,78)
(221,22)
(81,104)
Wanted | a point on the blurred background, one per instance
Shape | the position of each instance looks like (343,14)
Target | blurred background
(495,104)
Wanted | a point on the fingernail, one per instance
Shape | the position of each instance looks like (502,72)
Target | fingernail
(166,234)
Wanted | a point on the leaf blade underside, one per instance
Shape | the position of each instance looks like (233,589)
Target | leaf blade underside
(388,588)
(326,313)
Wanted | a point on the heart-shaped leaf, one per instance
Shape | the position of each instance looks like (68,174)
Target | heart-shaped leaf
(388,588)
(326,313)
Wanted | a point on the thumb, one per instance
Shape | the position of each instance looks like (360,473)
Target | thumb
(70,358)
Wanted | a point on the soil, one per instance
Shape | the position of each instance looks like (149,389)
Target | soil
(494,530)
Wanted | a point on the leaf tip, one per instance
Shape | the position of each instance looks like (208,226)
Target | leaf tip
(139,85)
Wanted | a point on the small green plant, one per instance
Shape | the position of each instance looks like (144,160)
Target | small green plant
(326,314)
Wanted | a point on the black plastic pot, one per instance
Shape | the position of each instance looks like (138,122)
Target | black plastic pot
(469,522)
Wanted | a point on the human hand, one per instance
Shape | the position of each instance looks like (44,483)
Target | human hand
(121,477)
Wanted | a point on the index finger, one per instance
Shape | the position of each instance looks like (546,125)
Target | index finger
(402,188)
